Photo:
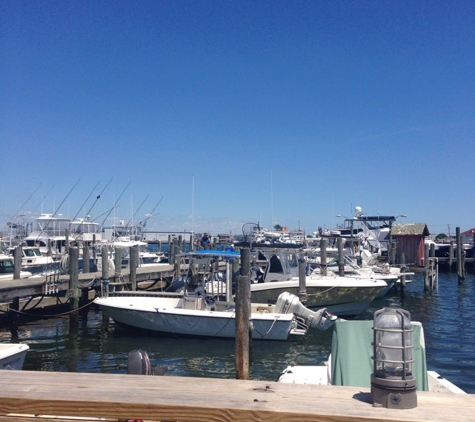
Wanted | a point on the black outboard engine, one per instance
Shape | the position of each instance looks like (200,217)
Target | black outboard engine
(138,363)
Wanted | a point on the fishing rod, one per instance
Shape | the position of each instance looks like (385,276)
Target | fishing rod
(43,198)
(98,197)
(24,203)
(84,203)
(115,204)
(135,213)
(150,214)
(60,205)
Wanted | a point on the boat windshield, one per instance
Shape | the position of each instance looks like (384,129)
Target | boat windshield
(6,266)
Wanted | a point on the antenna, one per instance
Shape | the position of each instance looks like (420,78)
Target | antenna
(193,204)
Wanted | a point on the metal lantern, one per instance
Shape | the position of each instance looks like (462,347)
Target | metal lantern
(392,382)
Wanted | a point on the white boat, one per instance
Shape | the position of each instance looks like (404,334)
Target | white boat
(50,232)
(33,261)
(146,258)
(7,268)
(343,296)
(350,362)
(198,312)
(12,356)
(390,274)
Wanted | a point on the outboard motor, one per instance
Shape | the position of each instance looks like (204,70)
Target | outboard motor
(288,303)
(138,363)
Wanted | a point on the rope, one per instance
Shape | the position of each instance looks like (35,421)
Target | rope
(48,315)
(269,330)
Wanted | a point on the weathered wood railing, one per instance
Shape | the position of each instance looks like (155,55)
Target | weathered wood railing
(123,397)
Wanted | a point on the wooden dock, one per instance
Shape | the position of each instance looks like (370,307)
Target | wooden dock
(26,294)
(169,398)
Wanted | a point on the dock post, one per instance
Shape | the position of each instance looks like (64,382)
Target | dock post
(117,263)
(170,257)
(73,282)
(432,273)
(85,258)
(341,257)
(403,278)
(243,315)
(17,255)
(133,264)
(66,242)
(105,271)
(392,256)
(15,305)
(460,257)
(451,255)
(302,281)
(94,252)
(323,256)
(426,267)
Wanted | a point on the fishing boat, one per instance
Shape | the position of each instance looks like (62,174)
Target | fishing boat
(51,233)
(343,296)
(12,356)
(202,310)
(7,268)
(33,261)
(350,361)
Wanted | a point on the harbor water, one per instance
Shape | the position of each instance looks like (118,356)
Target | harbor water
(95,345)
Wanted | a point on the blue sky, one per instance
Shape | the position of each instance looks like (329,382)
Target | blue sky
(227,112)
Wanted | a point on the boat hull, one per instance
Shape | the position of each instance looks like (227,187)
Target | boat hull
(341,296)
(12,356)
(173,316)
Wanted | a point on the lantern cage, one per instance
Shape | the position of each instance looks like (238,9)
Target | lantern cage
(392,382)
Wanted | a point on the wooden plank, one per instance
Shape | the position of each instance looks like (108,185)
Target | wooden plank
(16,417)
(183,399)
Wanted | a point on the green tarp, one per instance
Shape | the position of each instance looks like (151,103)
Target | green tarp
(351,363)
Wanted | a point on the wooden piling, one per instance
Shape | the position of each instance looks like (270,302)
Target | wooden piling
(451,255)
(302,295)
(105,271)
(403,278)
(94,252)
(117,263)
(426,267)
(73,278)
(133,264)
(460,257)
(323,256)
(17,258)
(243,328)
(341,257)
(432,272)
(85,258)
(243,316)
(15,304)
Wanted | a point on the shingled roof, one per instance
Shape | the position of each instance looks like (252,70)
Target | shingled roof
(410,229)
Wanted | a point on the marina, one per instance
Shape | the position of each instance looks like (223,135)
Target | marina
(97,351)
(183,309)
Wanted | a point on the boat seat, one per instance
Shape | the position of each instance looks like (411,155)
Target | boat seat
(350,360)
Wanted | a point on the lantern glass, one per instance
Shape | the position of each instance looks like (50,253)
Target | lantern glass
(393,343)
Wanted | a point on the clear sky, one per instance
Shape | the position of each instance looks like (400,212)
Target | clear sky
(226,112)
